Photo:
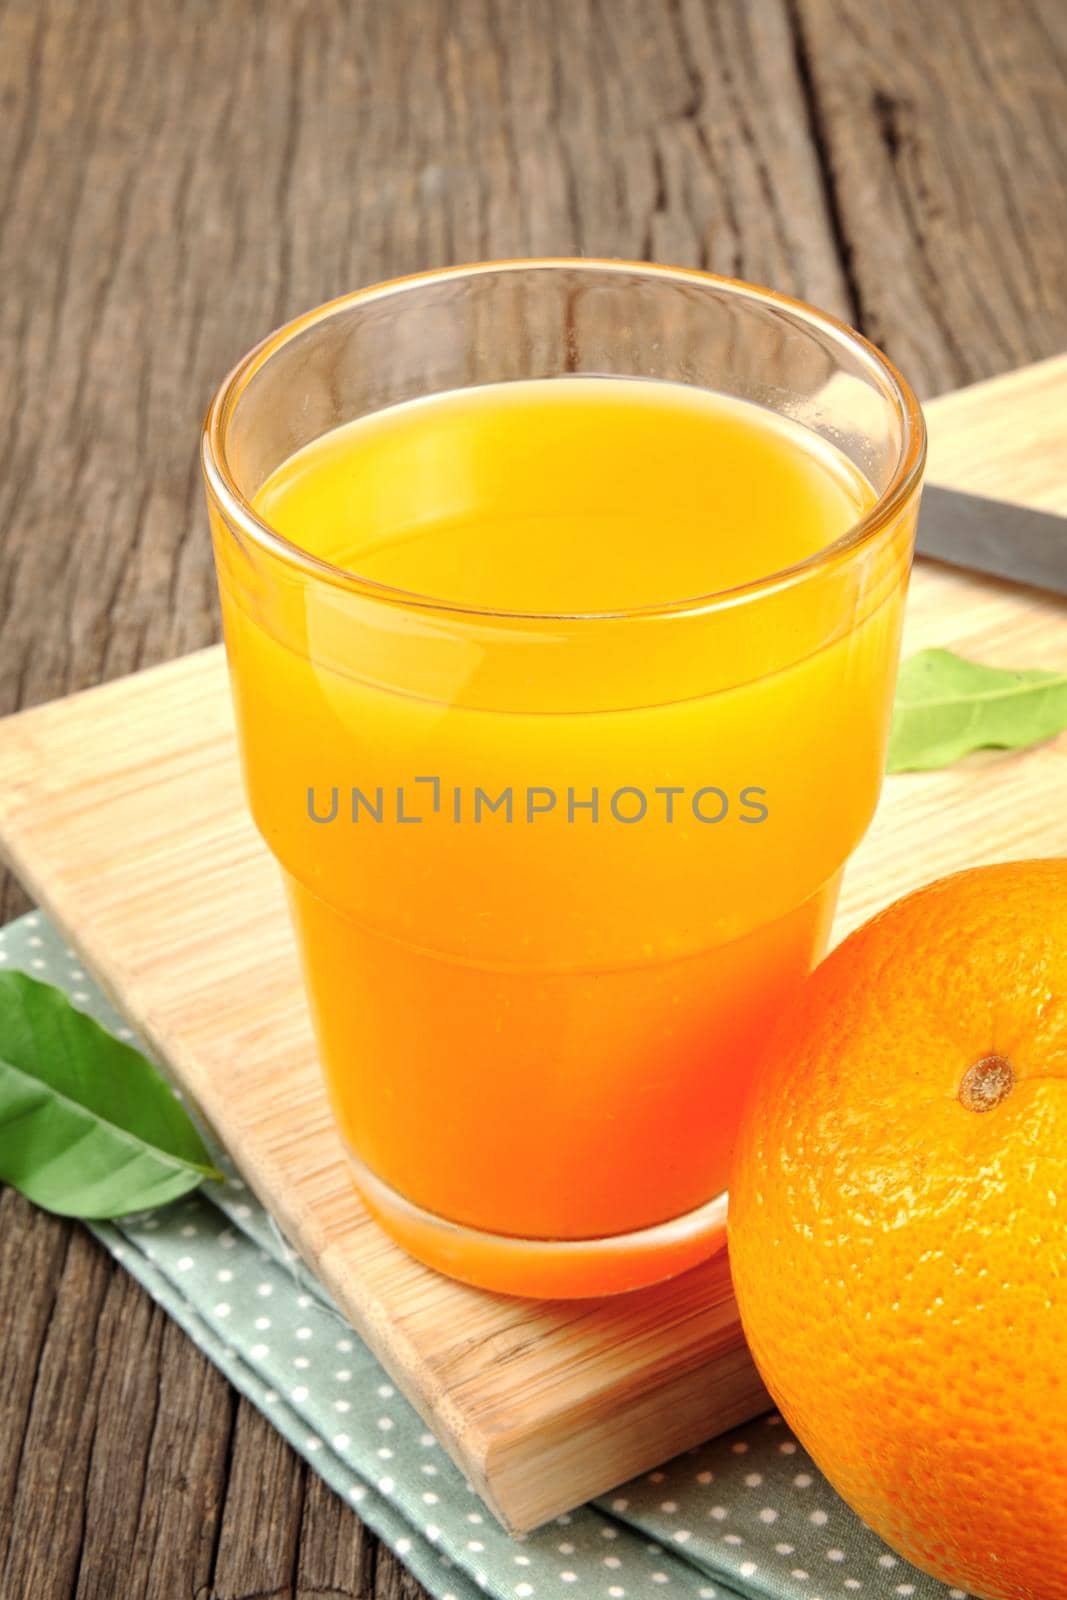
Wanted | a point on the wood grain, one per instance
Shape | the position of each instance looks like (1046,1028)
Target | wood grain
(578,1396)
(174,179)
(946,149)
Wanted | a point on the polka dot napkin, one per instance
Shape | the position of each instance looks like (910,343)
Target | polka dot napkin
(747,1515)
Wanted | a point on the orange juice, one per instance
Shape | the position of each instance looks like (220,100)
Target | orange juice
(560,832)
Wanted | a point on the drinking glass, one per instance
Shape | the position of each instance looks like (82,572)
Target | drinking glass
(537,1028)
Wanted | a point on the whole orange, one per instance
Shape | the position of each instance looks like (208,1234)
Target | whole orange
(898,1226)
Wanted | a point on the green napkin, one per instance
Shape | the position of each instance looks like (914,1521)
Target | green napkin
(747,1515)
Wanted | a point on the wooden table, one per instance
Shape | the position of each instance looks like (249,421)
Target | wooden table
(178,178)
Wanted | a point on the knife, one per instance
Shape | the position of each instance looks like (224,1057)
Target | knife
(997,537)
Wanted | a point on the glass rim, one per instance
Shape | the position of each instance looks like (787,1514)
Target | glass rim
(238,510)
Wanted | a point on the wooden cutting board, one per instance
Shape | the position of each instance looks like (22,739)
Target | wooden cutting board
(121,811)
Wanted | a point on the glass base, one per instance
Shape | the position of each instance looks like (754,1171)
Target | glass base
(545,1269)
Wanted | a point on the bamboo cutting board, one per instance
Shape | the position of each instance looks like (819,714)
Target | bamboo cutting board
(121,811)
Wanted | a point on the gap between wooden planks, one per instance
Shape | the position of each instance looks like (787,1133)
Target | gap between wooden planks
(121,811)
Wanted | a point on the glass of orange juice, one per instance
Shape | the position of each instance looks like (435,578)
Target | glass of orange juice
(562,602)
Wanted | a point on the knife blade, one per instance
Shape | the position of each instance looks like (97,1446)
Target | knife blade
(996,537)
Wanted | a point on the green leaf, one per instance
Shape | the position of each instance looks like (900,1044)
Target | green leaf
(946,707)
(88,1126)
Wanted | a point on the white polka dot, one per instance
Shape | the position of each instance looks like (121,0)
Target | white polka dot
(612,1562)
(270,1395)
(430,1499)
(183,1263)
(475,1517)
(854,1583)
(803,1480)
(669,1506)
(344,1345)
(385,1391)
(887,1561)
(524,1588)
(222,1309)
(301,1362)
(732,1538)
(656,1477)
(740,1448)
(265,1289)
(341,1405)
(258,1351)
(609,1533)
(565,1549)
(768,1514)
(312,1443)
(384,1455)
(37,963)
(242,1211)
(747,1568)
(299,1394)
(303,1333)
(386,1485)
(905,1588)
(341,1441)
(432,1532)
(429,1469)
(35,943)
(681,1536)
(754,1479)
(619,1504)
(568,1577)
(954,1594)
(188,1231)
(785,1549)
(615,1592)
(343,1375)
(835,1555)
(475,1545)
(262,1323)
(787,1448)
(799,1574)
(708,1593)
(660,1577)
(385,1423)
(705,1477)
(819,1518)
(427,1441)
(224,1275)
(522,1561)
(720,1513)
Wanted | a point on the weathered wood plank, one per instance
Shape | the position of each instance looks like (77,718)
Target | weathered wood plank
(143,1364)
(945,133)
(339,1559)
(47,1512)
(259,1536)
